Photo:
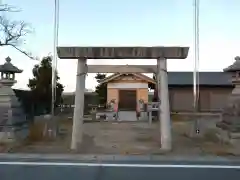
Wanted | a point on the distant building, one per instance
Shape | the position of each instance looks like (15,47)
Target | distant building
(127,89)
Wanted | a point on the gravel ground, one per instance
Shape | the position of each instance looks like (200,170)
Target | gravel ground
(135,138)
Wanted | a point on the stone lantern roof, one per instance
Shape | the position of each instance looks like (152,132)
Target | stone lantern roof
(234,67)
(8,67)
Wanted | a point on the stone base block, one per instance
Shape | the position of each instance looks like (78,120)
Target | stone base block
(143,116)
(224,136)
(229,137)
(6,137)
(108,116)
(18,135)
(235,135)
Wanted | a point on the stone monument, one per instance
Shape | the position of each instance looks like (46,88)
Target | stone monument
(230,122)
(13,122)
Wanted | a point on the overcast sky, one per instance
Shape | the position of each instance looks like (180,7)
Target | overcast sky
(125,23)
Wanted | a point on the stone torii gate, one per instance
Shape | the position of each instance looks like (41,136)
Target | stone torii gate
(161,54)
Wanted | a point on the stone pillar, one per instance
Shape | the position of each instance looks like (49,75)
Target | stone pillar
(77,129)
(165,123)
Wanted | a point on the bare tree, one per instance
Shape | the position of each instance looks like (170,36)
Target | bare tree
(8,8)
(12,33)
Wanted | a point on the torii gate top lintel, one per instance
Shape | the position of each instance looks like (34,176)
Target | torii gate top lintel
(138,52)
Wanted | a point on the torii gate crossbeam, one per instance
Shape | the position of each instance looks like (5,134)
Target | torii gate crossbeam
(122,68)
(160,53)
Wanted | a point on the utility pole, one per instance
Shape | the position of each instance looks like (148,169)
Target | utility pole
(196,63)
(54,63)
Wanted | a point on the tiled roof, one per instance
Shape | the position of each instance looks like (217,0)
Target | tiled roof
(205,78)
(113,76)
(186,78)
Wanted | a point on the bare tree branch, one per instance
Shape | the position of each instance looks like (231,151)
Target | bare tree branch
(8,8)
(23,52)
(13,33)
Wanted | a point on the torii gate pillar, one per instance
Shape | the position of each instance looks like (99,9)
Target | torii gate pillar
(164,110)
(159,53)
(77,128)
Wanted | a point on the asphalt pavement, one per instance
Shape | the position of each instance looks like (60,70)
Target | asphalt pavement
(37,169)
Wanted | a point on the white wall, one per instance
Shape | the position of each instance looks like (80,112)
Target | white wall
(127,85)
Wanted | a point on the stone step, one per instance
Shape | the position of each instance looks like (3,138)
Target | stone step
(230,128)
(127,116)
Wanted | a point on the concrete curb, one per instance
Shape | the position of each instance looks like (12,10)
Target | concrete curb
(122,158)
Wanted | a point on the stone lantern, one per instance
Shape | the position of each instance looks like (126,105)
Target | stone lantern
(13,123)
(230,122)
(8,71)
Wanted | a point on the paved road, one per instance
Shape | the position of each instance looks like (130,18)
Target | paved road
(62,170)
